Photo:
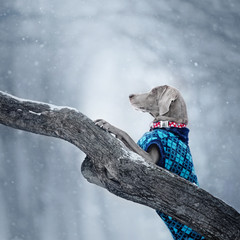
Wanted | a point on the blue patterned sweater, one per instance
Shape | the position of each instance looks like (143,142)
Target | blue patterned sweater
(175,157)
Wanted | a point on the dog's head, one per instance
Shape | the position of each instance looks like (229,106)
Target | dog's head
(163,103)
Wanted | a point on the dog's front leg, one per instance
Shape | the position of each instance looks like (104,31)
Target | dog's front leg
(124,137)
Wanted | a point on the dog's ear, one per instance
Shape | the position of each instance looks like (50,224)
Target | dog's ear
(168,95)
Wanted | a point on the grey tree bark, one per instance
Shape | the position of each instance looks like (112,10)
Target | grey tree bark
(111,165)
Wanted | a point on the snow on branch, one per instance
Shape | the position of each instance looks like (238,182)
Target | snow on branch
(111,165)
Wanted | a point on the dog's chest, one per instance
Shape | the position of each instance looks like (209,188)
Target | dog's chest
(175,153)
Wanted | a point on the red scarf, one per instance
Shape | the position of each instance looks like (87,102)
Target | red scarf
(167,124)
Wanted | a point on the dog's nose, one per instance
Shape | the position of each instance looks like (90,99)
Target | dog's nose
(131,96)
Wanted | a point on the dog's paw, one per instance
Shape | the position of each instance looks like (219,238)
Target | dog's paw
(102,124)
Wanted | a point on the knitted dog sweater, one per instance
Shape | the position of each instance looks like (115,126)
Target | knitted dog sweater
(175,157)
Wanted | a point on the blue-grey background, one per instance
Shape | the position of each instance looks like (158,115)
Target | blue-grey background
(91,55)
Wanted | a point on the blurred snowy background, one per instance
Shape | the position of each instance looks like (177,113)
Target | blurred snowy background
(91,55)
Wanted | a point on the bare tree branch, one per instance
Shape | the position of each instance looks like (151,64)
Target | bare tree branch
(111,165)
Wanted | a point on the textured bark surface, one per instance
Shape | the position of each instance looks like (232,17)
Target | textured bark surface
(111,165)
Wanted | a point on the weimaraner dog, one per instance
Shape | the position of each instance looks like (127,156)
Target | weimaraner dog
(166,144)
(164,103)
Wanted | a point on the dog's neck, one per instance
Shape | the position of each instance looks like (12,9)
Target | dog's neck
(167,124)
